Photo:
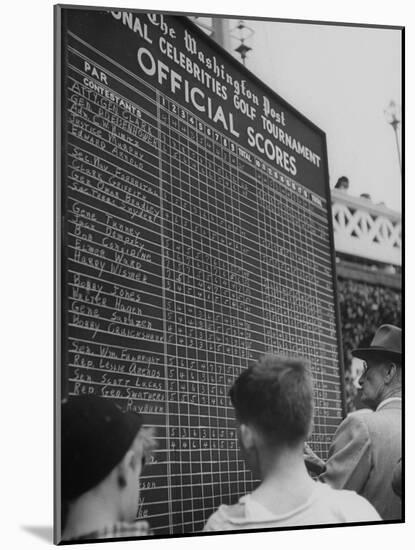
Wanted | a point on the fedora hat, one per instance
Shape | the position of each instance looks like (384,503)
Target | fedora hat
(386,342)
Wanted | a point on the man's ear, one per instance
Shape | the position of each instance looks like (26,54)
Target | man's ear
(247,436)
(390,372)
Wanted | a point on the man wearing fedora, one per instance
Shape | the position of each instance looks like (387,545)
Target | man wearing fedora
(367,445)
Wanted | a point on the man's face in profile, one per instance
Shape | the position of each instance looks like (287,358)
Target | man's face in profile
(372,382)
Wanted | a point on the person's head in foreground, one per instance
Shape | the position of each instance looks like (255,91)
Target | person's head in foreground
(273,402)
(103,452)
(382,375)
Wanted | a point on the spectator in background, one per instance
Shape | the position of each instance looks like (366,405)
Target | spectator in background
(103,453)
(367,446)
(273,402)
(363,308)
(342,183)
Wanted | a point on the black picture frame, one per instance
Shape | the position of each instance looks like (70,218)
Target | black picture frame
(62,233)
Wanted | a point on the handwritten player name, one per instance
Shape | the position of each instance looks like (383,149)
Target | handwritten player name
(136,206)
(116,175)
(135,248)
(82,374)
(103,110)
(120,257)
(130,133)
(83,175)
(82,388)
(119,353)
(110,365)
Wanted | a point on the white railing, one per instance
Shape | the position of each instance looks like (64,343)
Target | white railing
(364,229)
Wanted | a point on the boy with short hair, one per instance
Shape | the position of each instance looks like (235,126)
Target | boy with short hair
(273,402)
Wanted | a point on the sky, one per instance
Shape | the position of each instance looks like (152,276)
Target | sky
(342,79)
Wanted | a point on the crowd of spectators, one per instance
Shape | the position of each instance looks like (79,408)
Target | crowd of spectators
(363,308)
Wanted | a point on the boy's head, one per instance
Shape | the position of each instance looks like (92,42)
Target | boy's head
(103,446)
(275,398)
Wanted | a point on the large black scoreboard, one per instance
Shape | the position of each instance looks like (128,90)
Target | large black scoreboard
(194,235)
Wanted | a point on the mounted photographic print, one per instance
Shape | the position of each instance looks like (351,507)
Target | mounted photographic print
(199,363)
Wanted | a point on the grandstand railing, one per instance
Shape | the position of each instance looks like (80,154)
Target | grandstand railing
(367,230)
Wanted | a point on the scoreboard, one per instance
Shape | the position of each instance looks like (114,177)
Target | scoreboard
(194,235)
